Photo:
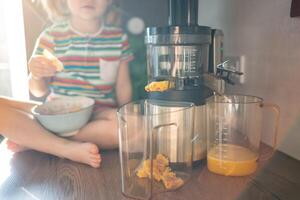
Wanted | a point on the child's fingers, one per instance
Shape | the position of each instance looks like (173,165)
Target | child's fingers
(42,61)
(51,61)
(49,67)
(46,73)
(41,75)
(43,72)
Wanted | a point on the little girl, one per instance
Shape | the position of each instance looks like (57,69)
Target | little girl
(95,58)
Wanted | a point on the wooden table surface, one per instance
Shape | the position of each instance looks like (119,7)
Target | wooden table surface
(32,175)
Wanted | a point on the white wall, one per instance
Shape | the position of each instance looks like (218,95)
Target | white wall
(3,53)
(263,32)
(5,88)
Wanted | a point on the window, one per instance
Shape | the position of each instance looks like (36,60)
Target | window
(13,63)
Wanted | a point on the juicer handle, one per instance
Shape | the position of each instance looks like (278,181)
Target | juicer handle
(154,136)
(276,109)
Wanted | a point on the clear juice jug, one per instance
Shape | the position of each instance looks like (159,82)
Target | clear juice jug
(234,133)
(153,135)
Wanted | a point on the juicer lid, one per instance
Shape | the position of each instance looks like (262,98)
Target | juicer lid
(178,35)
(206,30)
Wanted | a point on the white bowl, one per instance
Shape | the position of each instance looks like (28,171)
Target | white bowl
(64,116)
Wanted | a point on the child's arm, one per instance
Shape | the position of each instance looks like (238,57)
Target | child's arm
(123,85)
(40,69)
(37,87)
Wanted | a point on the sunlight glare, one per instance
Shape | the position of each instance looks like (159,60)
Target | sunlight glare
(15,36)
(5,157)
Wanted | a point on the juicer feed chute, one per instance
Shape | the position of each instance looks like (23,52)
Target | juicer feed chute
(179,55)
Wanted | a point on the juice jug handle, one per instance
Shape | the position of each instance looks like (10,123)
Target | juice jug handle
(155,135)
(276,109)
(153,143)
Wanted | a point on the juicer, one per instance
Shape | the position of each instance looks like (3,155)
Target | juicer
(187,57)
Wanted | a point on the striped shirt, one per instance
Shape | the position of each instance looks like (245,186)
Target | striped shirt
(91,62)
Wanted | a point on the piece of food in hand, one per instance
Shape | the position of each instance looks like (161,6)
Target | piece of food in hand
(159,86)
(59,65)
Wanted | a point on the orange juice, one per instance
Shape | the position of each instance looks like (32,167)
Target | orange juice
(231,160)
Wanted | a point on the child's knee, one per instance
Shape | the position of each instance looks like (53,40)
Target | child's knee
(3,107)
(109,114)
(4,115)
(113,115)
(2,100)
(5,101)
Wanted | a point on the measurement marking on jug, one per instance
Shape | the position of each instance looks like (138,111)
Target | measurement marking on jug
(222,130)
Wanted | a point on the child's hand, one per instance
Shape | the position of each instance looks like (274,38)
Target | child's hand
(41,67)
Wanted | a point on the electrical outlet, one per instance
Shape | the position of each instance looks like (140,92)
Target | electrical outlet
(236,63)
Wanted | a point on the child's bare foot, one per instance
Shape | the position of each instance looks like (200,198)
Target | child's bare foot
(87,153)
(15,147)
